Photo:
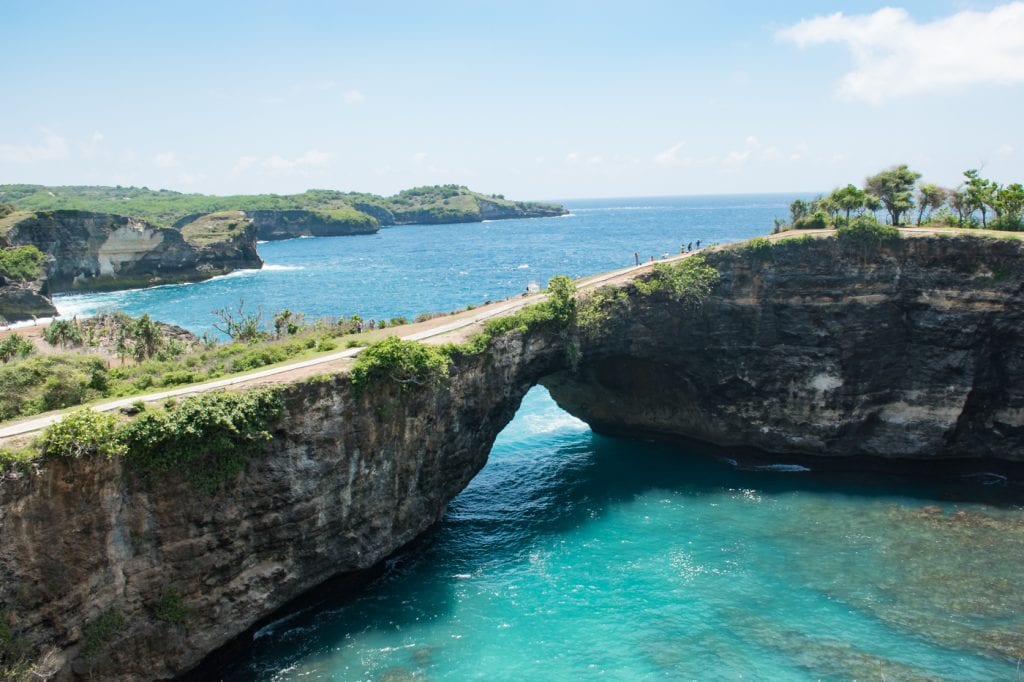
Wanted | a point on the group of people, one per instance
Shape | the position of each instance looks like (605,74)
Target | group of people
(683,248)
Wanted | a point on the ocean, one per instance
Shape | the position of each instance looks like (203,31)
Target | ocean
(576,556)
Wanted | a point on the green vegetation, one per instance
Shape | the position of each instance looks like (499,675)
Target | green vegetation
(207,438)
(166,208)
(84,433)
(15,655)
(21,262)
(99,632)
(171,608)
(893,189)
(41,383)
(15,346)
(215,227)
(690,279)
(866,233)
(406,363)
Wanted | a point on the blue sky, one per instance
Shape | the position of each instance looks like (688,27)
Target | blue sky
(530,99)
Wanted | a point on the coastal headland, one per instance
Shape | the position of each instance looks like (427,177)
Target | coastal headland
(900,349)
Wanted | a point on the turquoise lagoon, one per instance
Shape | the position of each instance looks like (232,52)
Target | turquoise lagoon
(576,556)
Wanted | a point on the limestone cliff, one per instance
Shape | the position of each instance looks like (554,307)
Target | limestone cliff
(913,350)
(271,225)
(95,251)
(817,348)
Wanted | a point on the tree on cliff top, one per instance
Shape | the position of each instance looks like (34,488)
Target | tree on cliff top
(894,188)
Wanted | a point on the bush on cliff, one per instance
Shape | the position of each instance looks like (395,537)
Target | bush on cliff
(406,363)
(84,433)
(208,437)
(865,233)
(691,279)
(21,262)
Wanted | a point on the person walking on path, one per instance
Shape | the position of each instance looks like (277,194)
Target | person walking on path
(698,243)
(636,257)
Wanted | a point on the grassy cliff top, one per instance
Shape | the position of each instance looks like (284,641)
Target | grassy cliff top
(215,227)
(165,207)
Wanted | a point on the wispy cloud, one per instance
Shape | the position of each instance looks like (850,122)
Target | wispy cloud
(896,56)
(280,165)
(670,157)
(354,97)
(166,160)
(52,147)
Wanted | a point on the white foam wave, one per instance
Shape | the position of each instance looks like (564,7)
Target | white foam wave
(536,424)
(523,266)
(282,268)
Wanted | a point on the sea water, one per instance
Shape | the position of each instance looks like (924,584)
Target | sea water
(575,556)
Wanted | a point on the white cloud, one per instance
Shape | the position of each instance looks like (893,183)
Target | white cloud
(896,56)
(572,158)
(187,178)
(243,164)
(670,157)
(419,158)
(52,147)
(279,165)
(166,160)
(354,97)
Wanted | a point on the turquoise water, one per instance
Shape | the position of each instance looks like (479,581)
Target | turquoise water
(574,556)
(419,268)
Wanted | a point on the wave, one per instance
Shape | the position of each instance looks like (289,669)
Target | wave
(523,266)
(271,267)
(783,468)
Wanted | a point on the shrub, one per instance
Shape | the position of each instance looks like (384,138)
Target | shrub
(81,433)
(815,221)
(406,363)
(866,233)
(206,438)
(15,346)
(171,608)
(690,279)
(21,262)
(101,631)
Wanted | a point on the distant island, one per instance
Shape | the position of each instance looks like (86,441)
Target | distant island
(85,238)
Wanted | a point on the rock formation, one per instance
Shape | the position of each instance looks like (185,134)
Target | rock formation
(97,251)
(813,347)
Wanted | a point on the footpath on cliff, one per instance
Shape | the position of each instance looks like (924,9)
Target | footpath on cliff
(452,328)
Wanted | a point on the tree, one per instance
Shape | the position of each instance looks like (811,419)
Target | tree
(239,325)
(797,210)
(894,187)
(957,199)
(63,333)
(1009,204)
(929,198)
(980,193)
(145,334)
(873,204)
(848,199)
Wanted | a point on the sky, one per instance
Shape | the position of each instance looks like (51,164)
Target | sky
(533,100)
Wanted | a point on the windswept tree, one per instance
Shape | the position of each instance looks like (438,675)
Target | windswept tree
(1009,205)
(848,199)
(894,188)
(797,210)
(980,194)
(958,201)
(929,198)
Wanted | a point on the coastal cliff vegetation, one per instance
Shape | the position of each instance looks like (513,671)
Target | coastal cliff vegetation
(428,204)
(901,200)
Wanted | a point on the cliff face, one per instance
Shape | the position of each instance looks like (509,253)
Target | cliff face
(94,251)
(344,483)
(24,300)
(913,351)
(271,225)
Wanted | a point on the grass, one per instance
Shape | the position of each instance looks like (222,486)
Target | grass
(215,227)
(165,208)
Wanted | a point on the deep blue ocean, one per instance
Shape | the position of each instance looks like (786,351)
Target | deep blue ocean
(574,556)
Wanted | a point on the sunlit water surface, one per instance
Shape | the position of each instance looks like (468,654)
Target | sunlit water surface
(573,556)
